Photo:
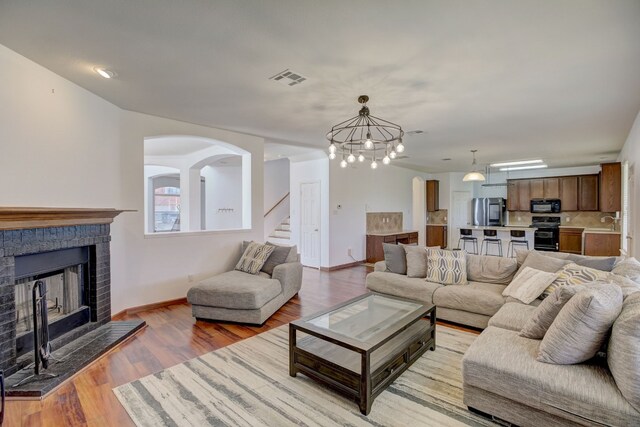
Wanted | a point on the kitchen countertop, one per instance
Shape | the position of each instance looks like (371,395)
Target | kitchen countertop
(437,225)
(572,226)
(505,228)
(391,233)
(600,231)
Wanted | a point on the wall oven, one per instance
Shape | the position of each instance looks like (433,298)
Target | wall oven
(540,206)
(547,234)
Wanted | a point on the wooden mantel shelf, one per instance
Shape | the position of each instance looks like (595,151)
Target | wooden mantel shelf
(15,218)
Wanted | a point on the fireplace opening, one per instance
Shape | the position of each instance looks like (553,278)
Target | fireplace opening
(66,275)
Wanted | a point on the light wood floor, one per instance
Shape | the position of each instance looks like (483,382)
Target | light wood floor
(172,337)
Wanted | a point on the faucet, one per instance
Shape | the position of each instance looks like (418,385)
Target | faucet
(614,218)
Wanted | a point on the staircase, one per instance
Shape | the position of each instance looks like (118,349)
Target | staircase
(282,231)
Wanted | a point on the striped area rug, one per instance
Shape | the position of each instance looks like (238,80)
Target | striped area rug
(248,384)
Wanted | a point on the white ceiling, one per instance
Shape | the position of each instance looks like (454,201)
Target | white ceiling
(533,78)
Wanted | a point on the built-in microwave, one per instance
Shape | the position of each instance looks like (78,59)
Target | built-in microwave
(545,205)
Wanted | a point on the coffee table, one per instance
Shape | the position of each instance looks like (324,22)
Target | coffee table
(361,346)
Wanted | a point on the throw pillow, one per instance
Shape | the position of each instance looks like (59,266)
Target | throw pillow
(628,267)
(416,261)
(581,327)
(254,257)
(572,274)
(541,262)
(623,355)
(293,254)
(546,312)
(277,257)
(529,284)
(395,258)
(490,269)
(602,263)
(446,267)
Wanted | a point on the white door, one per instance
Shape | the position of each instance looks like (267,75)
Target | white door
(310,224)
(460,215)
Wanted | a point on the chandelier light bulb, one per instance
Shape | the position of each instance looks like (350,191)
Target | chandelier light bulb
(393,154)
(400,147)
(386,160)
(374,165)
(332,148)
(361,158)
(368,144)
(351,158)
(332,156)
(343,163)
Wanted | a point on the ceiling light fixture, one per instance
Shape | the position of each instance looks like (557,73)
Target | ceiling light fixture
(475,174)
(516,163)
(107,74)
(369,136)
(521,168)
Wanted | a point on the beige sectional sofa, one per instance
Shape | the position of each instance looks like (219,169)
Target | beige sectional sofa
(501,376)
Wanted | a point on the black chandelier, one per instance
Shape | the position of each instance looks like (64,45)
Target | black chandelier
(365,137)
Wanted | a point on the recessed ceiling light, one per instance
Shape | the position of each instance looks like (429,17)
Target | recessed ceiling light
(516,163)
(414,132)
(107,74)
(519,168)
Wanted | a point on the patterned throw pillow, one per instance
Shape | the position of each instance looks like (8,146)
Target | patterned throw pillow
(447,267)
(574,274)
(254,257)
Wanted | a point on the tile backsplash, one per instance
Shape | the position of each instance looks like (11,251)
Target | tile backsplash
(571,219)
(437,217)
(384,222)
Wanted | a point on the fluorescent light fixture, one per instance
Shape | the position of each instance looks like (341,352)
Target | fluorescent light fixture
(517,163)
(107,74)
(521,168)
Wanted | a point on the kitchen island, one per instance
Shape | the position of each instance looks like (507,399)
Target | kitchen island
(503,233)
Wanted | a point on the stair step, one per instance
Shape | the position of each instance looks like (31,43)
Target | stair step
(281,234)
(284,227)
(286,221)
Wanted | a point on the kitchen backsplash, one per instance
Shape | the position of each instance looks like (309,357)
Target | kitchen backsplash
(384,222)
(571,219)
(437,217)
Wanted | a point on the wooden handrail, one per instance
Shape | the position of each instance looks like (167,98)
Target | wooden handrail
(277,204)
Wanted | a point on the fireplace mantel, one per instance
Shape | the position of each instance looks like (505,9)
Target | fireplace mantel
(15,218)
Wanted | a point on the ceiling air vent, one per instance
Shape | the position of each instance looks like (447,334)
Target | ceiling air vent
(415,132)
(288,77)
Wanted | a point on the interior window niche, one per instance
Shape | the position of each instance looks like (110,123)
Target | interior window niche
(195,184)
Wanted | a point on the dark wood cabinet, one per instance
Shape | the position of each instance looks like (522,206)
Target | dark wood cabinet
(524,195)
(375,251)
(569,193)
(602,244)
(551,188)
(437,235)
(513,200)
(536,189)
(588,192)
(611,187)
(433,195)
(571,240)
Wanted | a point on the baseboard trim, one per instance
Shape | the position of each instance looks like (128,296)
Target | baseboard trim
(139,308)
(342,266)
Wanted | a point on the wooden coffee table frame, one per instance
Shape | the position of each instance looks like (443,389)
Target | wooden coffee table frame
(398,345)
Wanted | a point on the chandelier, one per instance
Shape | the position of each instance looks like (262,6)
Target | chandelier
(365,137)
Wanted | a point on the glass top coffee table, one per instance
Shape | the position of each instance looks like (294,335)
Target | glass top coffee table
(361,346)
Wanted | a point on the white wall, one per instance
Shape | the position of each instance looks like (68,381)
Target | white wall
(223,191)
(64,146)
(276,181)
(631,153)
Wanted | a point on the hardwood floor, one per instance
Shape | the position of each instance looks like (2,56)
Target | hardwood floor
(172,337)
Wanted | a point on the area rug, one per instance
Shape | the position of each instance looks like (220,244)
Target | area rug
(248,384)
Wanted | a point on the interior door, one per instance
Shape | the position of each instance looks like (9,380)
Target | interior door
(310,224)
(461,214)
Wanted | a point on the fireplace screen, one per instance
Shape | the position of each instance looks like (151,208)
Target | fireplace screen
(65,296)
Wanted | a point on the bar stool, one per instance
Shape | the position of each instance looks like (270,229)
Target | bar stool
(516,239)
(466,235)
(491,238)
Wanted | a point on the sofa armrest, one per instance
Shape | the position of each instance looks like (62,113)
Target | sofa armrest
(290,276)
(380,266)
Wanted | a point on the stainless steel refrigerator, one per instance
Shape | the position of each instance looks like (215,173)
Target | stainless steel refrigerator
(488,211)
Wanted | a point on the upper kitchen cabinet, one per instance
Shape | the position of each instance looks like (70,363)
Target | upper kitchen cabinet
(588,196)
(433,195)
(611,187)
(513,200)
(524,195)
(551,188)
(536,188)
(569,193)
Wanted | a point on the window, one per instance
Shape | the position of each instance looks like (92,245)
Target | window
(166,209)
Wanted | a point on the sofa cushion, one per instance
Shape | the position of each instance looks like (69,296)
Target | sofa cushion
(603,263)
(544,315)
(504,363)
(491,269)
(573,274)
(446,267)
(402,286)
(581,327)
(395,258)
(236,290)
(628,267)
(277,257)
(475,297)
(536,260)
(416,261)
(623,354)
(529,284)
(512,316)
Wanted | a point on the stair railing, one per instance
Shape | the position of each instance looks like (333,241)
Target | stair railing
(277,204)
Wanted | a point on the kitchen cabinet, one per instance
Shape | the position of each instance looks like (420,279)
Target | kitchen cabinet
(437,235)
(601,244)
(536,188)
(433,195)
(551,188)
(611,187)
(571,240)
(513,200)
(375,251)
(569,193)
(588,192)
(524,195)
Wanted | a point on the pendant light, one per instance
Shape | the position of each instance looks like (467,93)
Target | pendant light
(475,174)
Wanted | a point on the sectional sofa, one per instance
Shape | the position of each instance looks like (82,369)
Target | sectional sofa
(501,376)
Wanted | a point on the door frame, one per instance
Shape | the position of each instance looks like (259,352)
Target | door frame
(319,182)
(454,230)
